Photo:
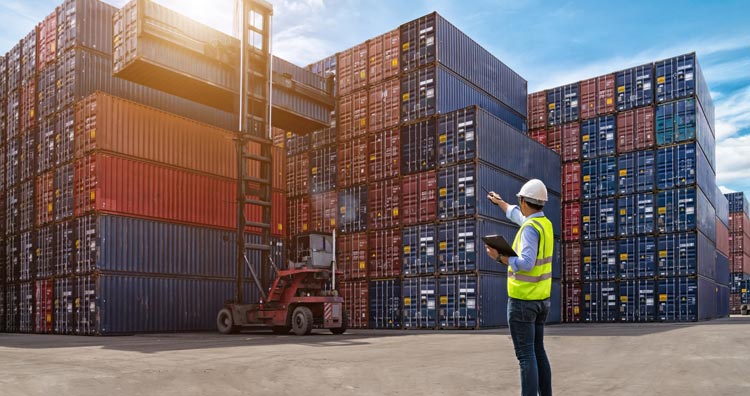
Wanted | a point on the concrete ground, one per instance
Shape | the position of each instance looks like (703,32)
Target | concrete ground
(710,358)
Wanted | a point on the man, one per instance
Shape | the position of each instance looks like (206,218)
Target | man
(529,284)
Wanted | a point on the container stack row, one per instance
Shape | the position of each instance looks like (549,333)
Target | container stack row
(644,224)
(118,211)
(739,251)
(420,135)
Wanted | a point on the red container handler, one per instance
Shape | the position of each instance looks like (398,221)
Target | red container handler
(537,105)
(45,198)
(605,94)
(540,135)
(352,69)
(44,306)
(298,215)
(385,154)
(571,262)
(588,97)
(384,202)
(572,221)
(571,178)
(384,260)
(352,115)
(323,209)
(419,198)
(352,162)
(356,298)
(635,129)
(298,175)
(384,105)
(351,255)
(571,134)
(572,302)
(384,53)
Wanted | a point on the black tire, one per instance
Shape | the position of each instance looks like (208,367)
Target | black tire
(302,320)
(281,329)
(344,324)
(225,322)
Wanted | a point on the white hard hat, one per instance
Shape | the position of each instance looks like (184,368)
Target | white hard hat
(534,191)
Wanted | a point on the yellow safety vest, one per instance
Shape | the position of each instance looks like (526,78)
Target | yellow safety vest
(537,283)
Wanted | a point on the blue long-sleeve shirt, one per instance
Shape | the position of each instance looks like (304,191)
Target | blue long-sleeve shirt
(526,260)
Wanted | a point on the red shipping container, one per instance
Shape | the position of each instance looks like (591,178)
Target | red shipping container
(635,130)
(739,262)
(739,243)
(352,69)
(278,214)
(606,94)
(356,300)
(352,115)
(537,105)
(739,223)
(722,237)
(419,198)
(571,221)
(572,262)
(28,106)
(44,306)
(298,215)
(45,198)
(111,184)
(47,41)
(108,123)
(298,175)
(385,154)
(554,138)
(572,301)
(278,167)
(571,134)
(540,135)
(352,162)
(278,136)
(571,177)
(588,95)
(385,253)
(735,304)
(351,255)
(383,204)
(384,52)
(384,106)
(324,209)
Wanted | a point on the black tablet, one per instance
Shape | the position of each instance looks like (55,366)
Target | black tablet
(500,244)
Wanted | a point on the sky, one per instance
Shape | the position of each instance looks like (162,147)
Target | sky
(549,43)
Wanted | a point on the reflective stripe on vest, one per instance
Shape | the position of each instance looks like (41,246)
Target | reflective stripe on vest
(535,284)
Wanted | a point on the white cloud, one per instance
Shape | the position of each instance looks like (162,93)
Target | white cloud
(733,163)
(725,190)
(732,113)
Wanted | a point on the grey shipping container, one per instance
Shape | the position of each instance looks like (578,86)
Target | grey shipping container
(474,133)
(438,90)
(84,23)
(431,39)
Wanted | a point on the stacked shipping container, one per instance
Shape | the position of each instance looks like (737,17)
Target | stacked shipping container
(113,204)
(413,157)
(642,215)
(738,247)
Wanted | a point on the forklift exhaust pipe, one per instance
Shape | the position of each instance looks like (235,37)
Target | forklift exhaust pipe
(333,262)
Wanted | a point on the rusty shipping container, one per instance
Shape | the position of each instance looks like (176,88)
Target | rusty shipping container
(356,299)
(537,105)
(298,174)
(384,54)
(352,162)
(352,115)
(384,202)
(323,209)
(419,198)
(384,105)
(384,253)
(351,255)
(635,129)
(298,215)
(352,65)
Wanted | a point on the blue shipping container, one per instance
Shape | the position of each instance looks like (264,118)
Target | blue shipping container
(636,172)
(323,174)
(437,90)
(64,305)
(637,257)
(634,87)
(599,260)
(680,77)
(431,38)
(599,178)
(636,214)
(474,133)
(685,165)
(722,268)
(420,303)
(685,299)
(686,254)
(385,304)
(722,301)
(685,209)
(738,203)
(684,121)
(722,206)
(606,135)
(600,302)
(737,281)
(352,216)
(598,219)
(419,250)
(461,193)
(418,146)
(562,104)
(638,300)
(12,307)
(473,301)
(589,139)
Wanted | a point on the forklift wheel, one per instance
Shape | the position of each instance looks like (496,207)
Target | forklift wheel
(344,324)
(225,322)
(302,320)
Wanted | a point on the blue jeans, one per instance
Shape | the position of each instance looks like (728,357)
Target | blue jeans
(526,321)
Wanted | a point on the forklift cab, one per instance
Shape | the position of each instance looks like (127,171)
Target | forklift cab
(312,250)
